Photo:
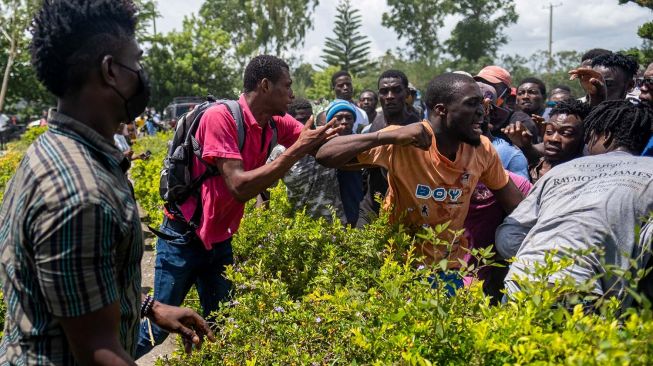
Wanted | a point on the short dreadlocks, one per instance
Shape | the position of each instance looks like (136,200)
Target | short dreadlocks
(70,38)
(571,107)
(626,63)
(629,124)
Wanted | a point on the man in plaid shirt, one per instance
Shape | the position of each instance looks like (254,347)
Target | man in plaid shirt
(71,242)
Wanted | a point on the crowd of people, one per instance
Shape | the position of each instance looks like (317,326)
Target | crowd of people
(508,164)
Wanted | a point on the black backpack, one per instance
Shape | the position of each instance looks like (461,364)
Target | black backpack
(176,184)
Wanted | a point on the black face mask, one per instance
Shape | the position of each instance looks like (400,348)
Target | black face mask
(136,104)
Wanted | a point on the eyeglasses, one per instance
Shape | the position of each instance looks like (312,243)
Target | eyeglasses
(647,82)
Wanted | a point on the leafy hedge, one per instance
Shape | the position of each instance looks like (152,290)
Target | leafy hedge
(11,158)
(146,173)
(312,293)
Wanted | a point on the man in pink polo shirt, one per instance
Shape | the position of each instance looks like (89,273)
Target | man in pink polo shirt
(199,257)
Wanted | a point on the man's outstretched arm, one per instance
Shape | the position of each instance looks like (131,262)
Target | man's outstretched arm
(247,184)
(343,149)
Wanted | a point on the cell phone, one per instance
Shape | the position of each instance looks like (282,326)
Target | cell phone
(148,153)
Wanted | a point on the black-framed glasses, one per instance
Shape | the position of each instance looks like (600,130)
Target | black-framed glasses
(648,82)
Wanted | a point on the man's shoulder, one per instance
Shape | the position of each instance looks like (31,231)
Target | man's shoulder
(64,169)
(219,112)
(504,147)
(486,144)
(616,160)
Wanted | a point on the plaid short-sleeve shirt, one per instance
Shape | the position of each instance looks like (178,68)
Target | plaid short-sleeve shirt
(70,243)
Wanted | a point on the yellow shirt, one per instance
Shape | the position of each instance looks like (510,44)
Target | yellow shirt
(430,189)
(140,122)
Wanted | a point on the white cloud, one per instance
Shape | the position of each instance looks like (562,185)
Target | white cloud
(174,11)
(577,25)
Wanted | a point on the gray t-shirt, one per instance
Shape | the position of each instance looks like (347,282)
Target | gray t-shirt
(588,203)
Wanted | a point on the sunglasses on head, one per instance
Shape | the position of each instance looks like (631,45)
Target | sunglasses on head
(648,82)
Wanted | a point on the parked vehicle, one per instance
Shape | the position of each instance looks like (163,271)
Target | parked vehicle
(178,107)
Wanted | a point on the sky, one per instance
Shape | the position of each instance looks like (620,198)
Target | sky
(577,25)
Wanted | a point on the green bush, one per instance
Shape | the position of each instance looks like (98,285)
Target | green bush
(14,154)
(146,173)
(3,311)
(308,292)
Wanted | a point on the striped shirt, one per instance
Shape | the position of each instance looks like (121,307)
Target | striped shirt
(70,243)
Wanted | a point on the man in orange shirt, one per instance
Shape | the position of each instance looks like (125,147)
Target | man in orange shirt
(433,186)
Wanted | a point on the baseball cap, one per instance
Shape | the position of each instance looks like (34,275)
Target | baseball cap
(494,74)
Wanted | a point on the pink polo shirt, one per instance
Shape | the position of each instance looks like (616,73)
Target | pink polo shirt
(217,133)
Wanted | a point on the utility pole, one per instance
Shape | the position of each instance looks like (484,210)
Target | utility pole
(550,62)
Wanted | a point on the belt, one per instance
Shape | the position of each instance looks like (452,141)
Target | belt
(176,225)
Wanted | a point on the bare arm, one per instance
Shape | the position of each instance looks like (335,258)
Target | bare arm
(511,233)
(343,149)
(245,185)
(509,197)
(534,152)
(94,337)
(522,138)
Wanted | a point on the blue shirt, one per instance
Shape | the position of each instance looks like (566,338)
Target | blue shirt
(511,157)
(151,127)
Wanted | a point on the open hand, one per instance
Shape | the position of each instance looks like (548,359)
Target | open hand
(183,321)
(311,139)
(592,82)
(518,135)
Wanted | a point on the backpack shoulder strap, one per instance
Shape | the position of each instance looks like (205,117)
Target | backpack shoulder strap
(273,142)
(237,113)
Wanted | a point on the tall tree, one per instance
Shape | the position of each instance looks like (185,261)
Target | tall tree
(302,79)
(15,16)
(148,13)
(348,49)
(190,62)
(261,26)
(417,22)
(480,32)
(646,30)
(644,53)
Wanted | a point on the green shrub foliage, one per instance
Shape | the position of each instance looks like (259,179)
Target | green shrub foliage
(11,158)
(145,174)
(308,292)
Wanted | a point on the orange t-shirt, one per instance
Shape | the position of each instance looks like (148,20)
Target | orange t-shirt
(430,189)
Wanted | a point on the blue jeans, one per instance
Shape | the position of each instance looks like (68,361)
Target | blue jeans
(180,263)
(452,281)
